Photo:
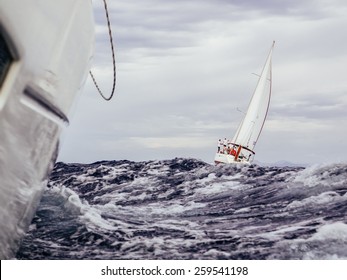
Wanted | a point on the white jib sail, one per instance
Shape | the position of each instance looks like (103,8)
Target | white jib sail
(250,128)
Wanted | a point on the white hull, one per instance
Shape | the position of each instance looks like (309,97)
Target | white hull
(51,43)
(228,159)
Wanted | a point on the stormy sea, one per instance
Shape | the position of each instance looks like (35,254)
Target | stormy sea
(188,209)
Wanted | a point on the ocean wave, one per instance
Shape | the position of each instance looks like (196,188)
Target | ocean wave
(188,209)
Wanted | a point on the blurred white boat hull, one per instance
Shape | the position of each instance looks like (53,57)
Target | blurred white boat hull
(45,53)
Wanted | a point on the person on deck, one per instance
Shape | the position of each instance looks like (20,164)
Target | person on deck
(219,145)
(233,151)
(225,145)
(225,142)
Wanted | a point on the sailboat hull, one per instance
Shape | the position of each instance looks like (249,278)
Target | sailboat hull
(46,49)
(228,159)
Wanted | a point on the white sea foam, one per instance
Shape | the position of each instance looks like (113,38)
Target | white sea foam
(337,231)
(322,174)
(323,198)
(90,215)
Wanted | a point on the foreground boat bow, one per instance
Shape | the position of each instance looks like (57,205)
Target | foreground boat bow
(45,53)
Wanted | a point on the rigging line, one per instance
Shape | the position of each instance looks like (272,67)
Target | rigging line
(113,60)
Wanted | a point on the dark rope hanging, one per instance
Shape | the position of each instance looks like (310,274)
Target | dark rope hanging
(113,58)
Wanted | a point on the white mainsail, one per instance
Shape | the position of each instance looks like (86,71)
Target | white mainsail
(251,126)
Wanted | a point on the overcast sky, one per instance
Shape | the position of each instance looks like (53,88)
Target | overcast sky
(185,66)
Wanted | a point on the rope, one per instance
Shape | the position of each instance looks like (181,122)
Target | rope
(113,59)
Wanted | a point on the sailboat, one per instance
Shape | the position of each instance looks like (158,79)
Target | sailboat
(46,48)
(241,148)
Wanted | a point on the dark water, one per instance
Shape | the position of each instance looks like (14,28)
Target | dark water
(188,209)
